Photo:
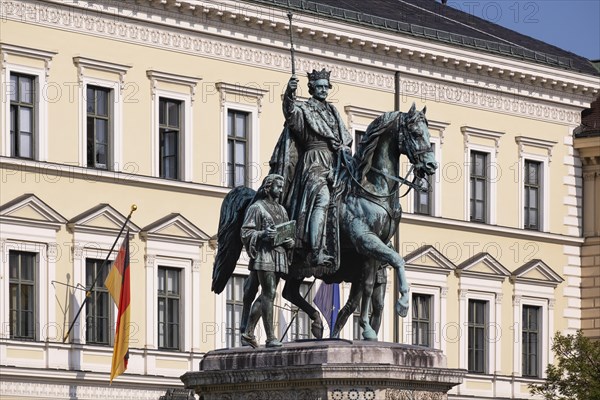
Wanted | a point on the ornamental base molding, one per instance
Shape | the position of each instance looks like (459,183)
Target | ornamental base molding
(325,370)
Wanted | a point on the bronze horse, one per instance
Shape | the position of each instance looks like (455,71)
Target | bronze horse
(369,214)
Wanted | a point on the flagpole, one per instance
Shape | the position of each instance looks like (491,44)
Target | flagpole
(88,292)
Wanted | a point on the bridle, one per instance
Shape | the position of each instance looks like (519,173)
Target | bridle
(413,154)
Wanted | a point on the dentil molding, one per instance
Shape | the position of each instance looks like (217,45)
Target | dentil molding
(504,97)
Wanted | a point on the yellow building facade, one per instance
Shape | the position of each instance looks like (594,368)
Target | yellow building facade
(167,104)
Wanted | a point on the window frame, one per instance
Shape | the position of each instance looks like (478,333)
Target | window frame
(233,137)
(473,154)
(240,98)
(477,326)
(180,138)
(16,133)
(27,62)
(429,321)
(431,280)
(99,289)
(89,72)
(526,201)
(433,194)
(525,365)
(526,144)
(114,140)
(491,146)
(178,297)
(230,332)
(39,140)
(109,122)
(537,293)
(33,283)
(301,316)
(184,253)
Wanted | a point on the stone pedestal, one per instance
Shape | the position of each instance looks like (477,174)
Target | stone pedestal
(324,370)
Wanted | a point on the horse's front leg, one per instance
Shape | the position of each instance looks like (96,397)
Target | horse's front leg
(368,244)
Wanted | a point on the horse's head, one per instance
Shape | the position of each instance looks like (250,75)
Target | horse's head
(415,143)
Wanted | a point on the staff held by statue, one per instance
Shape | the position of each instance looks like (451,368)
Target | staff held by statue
(290,15)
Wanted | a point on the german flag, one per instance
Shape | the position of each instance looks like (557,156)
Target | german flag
(117,283)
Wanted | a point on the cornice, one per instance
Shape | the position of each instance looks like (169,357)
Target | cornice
(494,230)
(342,35)
(43,55)
(64,171)
(258,37)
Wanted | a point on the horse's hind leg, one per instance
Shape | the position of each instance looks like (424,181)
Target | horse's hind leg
(348,309)
(291,292)
(367,293)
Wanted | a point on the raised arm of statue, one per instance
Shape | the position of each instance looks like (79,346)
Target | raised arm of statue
(290,111)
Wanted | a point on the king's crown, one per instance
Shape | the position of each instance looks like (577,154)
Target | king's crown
(316,75)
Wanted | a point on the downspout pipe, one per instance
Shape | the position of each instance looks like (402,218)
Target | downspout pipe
(397,235)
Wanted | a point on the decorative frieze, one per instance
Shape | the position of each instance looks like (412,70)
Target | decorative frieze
(477,93)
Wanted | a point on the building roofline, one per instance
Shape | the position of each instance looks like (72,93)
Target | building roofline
(422,32)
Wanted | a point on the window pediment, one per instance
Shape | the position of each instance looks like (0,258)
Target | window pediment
(174,228)
(102,219)
(28,209)
(536,272)
(484,266)
(429,259)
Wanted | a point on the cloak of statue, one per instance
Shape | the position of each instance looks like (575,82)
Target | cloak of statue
(299,193)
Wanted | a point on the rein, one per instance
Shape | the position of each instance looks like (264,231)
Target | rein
(399,181)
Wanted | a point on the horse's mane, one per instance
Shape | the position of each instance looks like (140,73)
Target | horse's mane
(366,148)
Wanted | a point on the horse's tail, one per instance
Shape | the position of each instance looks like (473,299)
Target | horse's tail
(228,237)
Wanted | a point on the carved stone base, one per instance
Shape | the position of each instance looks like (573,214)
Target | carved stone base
(325,370)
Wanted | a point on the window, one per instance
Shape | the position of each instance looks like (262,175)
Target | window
(478,178)
(235,292)
(169,122)
(424,199)
(97,308)
(98,127)
(531,342)
(532,184)
(22,115)
(358,135)
(237,147)
(477,351)
(300,328)
(421,320)
(22,294)
(168,307)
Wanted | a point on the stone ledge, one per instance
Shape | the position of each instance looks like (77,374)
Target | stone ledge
(325,369)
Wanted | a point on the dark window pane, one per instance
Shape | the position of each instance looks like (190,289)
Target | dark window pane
(22,294)
(173,112)
(26,90)
(98,306)
(168,307)
(477,345)
(102,103)
(13,88)
(98,127)
(237,148)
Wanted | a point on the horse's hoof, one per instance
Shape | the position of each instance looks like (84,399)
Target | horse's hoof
(317,328)
(369,334)
(273,343)
(402,308)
